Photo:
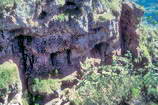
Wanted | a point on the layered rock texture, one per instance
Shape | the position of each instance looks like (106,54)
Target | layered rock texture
(43,37)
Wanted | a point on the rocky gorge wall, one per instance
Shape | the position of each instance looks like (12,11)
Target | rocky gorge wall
(44,36)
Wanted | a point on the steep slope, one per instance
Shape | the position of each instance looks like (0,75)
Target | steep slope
(48,37)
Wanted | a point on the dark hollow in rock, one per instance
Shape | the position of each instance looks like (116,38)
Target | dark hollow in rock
(69,3)
(1,48)
(42,15)
(53,59)
(72,8)
(68,83)
(2,33)
(68,56)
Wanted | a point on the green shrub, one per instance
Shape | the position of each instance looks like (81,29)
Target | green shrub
(45,85)
(8,74)
(25,98)
(149,42)
(61,17)
(136,92)
(103,17)
(9,3)
(109,84)
(114,5)
(61,2)
(151,82)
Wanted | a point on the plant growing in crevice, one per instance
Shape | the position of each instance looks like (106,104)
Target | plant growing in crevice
(60,17)
(55,72)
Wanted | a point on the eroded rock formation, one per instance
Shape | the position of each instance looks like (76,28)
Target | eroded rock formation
(42,36)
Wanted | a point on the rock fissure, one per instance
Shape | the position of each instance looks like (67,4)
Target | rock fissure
(26,68)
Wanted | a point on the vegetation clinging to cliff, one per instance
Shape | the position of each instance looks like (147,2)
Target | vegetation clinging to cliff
(112,4)
(9,3)
(8,74)
(127,79)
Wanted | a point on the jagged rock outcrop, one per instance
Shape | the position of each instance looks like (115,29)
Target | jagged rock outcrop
(130,18)
(42,36)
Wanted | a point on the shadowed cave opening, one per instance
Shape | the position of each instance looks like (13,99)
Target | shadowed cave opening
(68,52)
(1,48)
(71,8)
(2,33)
(70,3)
(101,48)
(53,57)
(42,15)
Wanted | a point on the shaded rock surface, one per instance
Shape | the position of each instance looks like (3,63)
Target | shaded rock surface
(40,43)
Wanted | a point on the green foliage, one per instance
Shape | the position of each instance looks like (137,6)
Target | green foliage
(45,85)
(103,17)
(61,17)
(109,84)
(149,50)
(152,103)
(54,72)
(149,42)
(112,4)
(9,3)
(25,98)
(136,92)
(61,2)
(151,81)
(8,74)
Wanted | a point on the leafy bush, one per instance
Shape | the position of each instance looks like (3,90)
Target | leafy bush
(109,84)
(112,4)
(116,83)
(25,100)
(149,42)
(8,74)
(8,2)
(151,82)
(45,85)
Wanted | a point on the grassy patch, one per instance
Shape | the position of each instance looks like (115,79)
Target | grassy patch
(103,17)
(49,85)
(25,101)
(112,4)
(60,17)
(61,2)
(8,74)
(8,3)
(45,85)
(25,98)
(136,92)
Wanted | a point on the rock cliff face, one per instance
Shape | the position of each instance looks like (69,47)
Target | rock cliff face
(49,35)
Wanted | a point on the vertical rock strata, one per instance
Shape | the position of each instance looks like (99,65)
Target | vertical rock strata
(130,18)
